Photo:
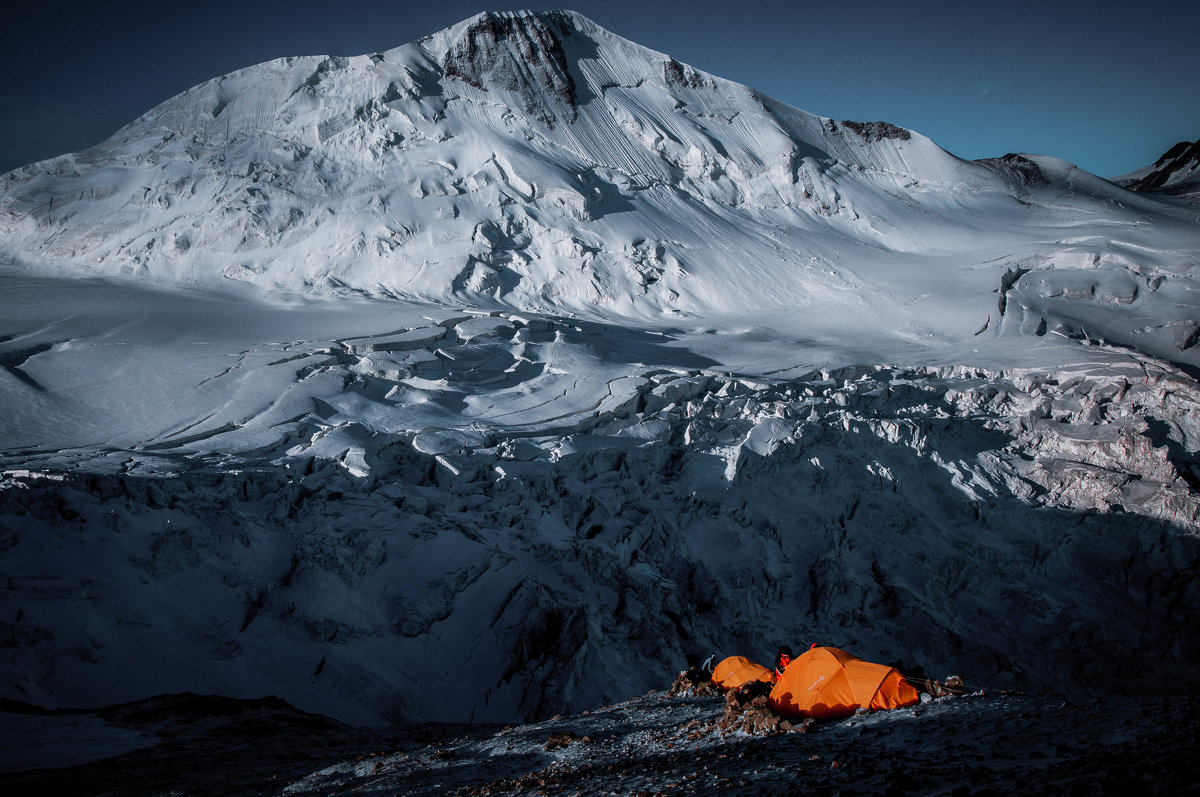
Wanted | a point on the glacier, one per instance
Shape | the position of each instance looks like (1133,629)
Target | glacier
(493,376)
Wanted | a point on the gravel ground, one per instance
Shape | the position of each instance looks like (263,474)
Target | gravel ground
(654,744)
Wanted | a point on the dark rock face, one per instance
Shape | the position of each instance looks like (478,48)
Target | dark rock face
(1021,170)
(1180,161)
(877,131)
(683,76)
(522,54)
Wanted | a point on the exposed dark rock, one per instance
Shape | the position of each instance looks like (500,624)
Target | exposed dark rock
(561,739)
(1021,170)
(694,681)
(1181,159)
(877,131)
(683,76)
(747,710)
(519,53)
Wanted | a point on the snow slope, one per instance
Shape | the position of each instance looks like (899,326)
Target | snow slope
(491,376)
(540,163)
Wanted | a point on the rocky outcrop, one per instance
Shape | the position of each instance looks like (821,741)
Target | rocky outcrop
(1177,171)
(517,53)
(877,131)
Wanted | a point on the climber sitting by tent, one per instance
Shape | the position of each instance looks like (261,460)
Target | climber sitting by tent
(782,659)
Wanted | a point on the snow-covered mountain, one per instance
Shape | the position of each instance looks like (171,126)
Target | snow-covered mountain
(1176,172)
(493,375)
(540,163)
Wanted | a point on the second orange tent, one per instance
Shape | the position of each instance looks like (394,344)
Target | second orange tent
(737,671)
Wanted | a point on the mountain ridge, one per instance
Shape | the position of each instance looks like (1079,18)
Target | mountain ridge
(1177,171)
(535,162)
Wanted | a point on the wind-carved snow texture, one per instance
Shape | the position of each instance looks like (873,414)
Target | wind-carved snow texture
(469,531)
(491,376)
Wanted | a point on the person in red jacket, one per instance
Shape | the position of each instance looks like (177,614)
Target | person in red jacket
(782,659)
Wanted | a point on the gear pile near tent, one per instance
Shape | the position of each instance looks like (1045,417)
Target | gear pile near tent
(828,682)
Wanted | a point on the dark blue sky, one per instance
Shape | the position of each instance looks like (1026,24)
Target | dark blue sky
(1109,86)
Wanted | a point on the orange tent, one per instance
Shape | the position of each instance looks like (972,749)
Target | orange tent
(829,682)
(738,671)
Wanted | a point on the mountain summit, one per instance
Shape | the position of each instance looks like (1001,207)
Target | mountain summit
(536,161)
